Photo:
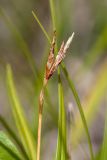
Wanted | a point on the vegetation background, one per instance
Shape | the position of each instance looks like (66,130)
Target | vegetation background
(23,45)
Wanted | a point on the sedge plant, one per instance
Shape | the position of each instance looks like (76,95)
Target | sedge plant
(51,67)
(27,144)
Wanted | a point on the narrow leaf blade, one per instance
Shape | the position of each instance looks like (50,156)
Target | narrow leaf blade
(75,94)
(61,152)
(8,149)
(21,122)
(13,135)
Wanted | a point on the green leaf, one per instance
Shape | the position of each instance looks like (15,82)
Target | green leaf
(53,16)
(8,149)
(92,104)
(104,146)
(21,122)
(41,26)
(61,152)
(5,124)
(75,94)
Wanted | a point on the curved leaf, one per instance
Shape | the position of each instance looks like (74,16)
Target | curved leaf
(8,149)
(13,135)
(21,122)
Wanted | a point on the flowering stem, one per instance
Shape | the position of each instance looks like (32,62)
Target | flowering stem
(41,101)
(39,136)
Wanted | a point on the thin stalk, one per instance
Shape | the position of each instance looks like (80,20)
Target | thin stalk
(41,26)
(75,94)
(41,101)
(52,9)
(39,136)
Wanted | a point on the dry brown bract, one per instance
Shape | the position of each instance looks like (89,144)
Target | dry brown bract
(53,62)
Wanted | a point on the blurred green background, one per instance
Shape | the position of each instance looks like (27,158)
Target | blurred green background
(24,46)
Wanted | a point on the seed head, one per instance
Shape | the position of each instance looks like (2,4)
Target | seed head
(53,62)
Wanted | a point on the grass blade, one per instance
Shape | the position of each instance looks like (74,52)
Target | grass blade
(61,152)
(41,26)
(22,125)
(72,87)
(92,104)
(52,9)
(13,135)
(8,149)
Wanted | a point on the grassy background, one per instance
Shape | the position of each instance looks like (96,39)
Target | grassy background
(24,46)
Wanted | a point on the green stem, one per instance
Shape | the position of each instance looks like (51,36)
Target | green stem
(52,9)
(61,143)
(41,26)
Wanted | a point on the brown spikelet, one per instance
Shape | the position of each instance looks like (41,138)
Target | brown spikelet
(51,56)
(60,56)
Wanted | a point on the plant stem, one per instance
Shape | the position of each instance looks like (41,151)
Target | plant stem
(53,14)
(41,101)
(39,136)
